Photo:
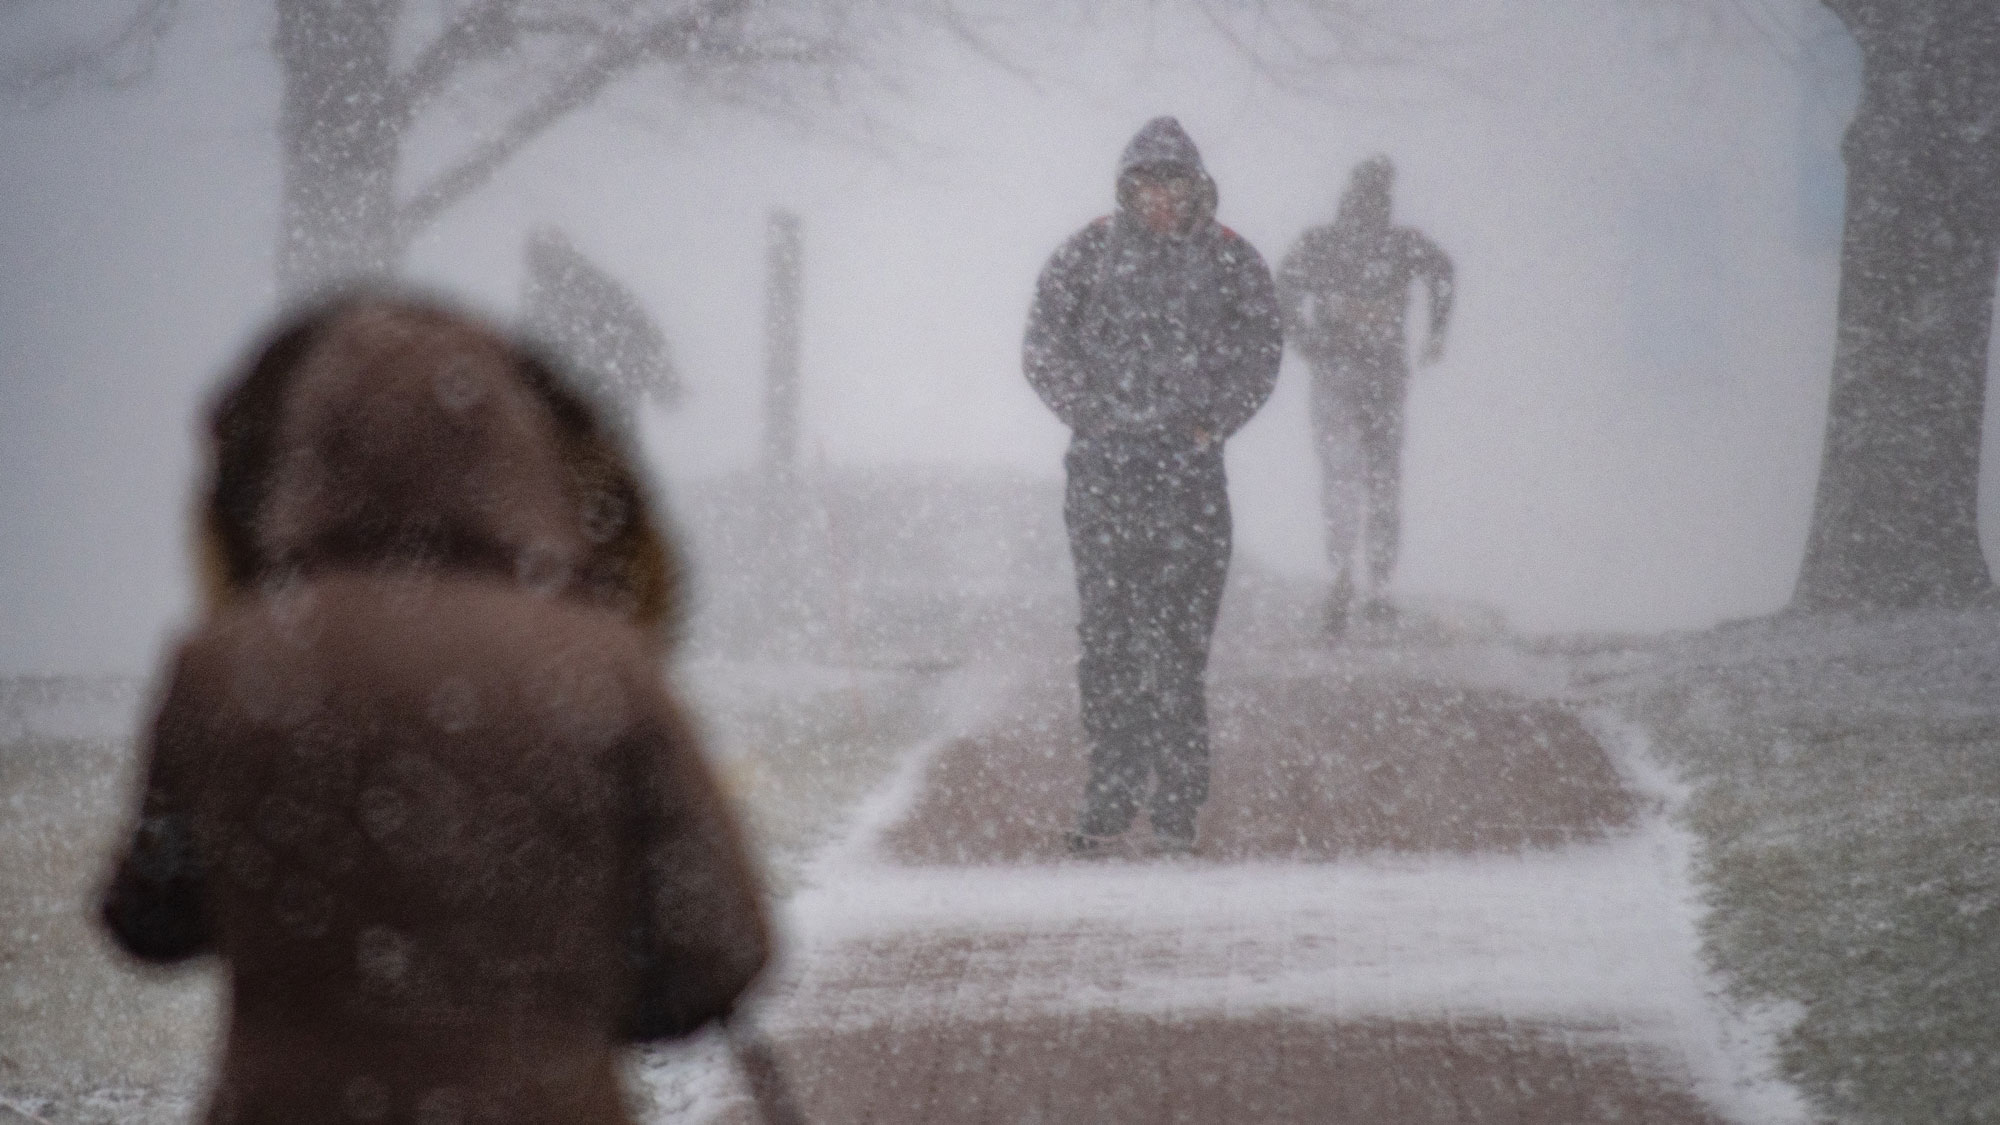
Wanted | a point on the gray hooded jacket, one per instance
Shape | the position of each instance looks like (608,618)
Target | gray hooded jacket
(1173,336)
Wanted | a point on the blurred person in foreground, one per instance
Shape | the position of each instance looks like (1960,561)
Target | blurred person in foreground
(1345,291)
(415,776)
(1154,335)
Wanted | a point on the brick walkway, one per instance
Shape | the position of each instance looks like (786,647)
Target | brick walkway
(1418,899)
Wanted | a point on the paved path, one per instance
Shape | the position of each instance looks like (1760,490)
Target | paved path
(1425,893)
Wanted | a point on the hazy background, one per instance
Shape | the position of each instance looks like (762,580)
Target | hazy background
(1642,200)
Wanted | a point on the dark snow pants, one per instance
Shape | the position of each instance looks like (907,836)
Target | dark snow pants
(1149,532)
(1357,413)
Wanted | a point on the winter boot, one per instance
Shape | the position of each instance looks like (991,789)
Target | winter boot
(1173,833)
(1088,845)
(1378,611)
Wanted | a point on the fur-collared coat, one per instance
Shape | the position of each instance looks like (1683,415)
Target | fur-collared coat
(416,777)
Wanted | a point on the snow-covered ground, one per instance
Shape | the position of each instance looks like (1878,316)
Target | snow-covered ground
(1816,877)
(1599,935)
(1844,793)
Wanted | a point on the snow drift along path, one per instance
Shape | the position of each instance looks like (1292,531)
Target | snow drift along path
(1508,977)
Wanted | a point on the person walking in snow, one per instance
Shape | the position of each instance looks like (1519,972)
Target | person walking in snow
(609,344)
(1154,335)
(415,777)
(1345,290)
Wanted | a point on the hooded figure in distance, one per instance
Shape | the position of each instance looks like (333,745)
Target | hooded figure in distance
(1345,288)
(415,776)
(1154,336)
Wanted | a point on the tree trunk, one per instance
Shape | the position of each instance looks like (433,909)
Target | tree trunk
(338,136)
(1895,519)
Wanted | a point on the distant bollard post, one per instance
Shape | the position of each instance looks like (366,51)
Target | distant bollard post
(783,512)
(781,344)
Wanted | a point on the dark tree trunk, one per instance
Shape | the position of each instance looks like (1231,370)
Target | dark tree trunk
(338,135)
(1895,520)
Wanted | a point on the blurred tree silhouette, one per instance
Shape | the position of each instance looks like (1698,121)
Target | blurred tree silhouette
(349,110)
(1895,522)
(1895,519)
(360,98)
(357,92)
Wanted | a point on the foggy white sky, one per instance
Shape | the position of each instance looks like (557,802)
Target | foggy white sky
(1623,433)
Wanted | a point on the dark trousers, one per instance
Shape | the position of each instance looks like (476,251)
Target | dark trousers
(1357,409)
(1149,532)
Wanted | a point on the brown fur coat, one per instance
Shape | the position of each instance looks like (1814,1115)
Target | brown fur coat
(416,777)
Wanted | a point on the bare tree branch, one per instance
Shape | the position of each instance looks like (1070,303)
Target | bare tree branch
(817,55)
(1769,26)
(1341,40)
(954,22)
(1853,13)
(119,61)
(1253,57)
(668,40)
(482,31)
(578,26)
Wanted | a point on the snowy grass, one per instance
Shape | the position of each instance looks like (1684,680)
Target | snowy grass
(83,1035)
(86,1036)
(799,744)
(1846,796)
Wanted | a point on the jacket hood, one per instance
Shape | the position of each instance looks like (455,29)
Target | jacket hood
(1364,205)
(380,433)
(1161,144)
